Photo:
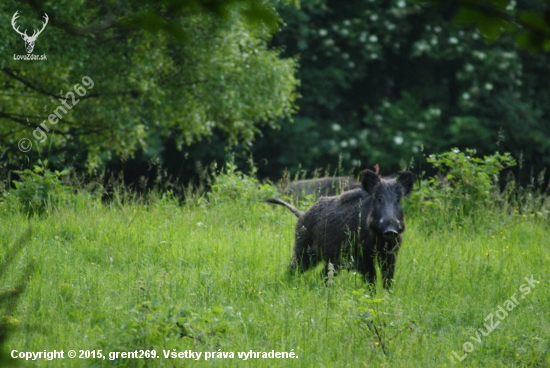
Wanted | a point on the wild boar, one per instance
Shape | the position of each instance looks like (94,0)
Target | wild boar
(358,227)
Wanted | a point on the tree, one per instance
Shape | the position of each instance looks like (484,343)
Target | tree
(382,81)
(141,71)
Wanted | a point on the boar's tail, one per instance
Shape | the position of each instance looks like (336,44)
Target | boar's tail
(280,202)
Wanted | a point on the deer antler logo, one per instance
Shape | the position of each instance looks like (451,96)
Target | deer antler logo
(29,40)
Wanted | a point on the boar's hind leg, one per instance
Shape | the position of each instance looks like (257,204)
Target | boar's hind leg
(304,256)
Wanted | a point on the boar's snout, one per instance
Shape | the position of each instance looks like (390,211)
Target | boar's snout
(390,234)
(390,229)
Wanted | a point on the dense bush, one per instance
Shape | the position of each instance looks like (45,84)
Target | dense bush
(38,190)
(464,182)
(232,184)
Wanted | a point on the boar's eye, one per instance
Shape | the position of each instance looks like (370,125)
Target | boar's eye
(380,199)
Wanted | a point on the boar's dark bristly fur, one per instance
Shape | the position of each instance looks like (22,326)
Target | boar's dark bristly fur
(358,227)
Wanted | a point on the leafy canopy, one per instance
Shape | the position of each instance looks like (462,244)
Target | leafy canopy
(163,69)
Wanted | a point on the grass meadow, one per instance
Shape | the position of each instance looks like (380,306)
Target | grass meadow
(211,276)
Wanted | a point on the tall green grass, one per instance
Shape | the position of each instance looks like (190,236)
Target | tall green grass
(212,277)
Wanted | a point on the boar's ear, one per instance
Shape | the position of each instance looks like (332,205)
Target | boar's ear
(369,180)
(406,180)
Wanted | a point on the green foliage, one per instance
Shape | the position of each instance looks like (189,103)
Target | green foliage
(148,85)
(381,79)
(231,184)
(11,292)
(532,200)
(464,182)
(155,326)
(369,316)
(39,190)
(139,276)
(528,20)
(154,19)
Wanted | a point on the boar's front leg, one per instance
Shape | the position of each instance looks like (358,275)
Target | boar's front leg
(365,264)
(387,263)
